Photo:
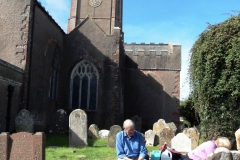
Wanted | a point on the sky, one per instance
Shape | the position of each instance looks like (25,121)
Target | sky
(162,21)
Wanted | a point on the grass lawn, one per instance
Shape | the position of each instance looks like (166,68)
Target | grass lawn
(57,149)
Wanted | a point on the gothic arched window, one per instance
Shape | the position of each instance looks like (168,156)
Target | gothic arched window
(84,86)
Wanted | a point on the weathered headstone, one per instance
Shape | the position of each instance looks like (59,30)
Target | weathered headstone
(221,153)
(166,136)
(112,135)
(237,136)
(103,134)
(138,122)
(150,138)
(93,131)
(24,122)
(181,143)
(78,128)
(60,123)
(236,155)
(172,126)
(22,145)
(158,127)
(193,134)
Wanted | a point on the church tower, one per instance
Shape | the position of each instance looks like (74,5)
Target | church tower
(107,14)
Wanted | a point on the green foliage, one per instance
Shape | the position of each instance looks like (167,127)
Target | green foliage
(215,78)
(188,113)
(97,149)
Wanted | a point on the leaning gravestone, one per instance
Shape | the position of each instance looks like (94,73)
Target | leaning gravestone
(112,135)
(181,143)
(150,138)
(193,134)
(24,122)
(138,122)
(93,131)
(78,128)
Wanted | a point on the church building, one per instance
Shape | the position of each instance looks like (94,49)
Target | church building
(43,69)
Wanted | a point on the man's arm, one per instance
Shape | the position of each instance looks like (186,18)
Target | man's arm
(120,147)
(143,150)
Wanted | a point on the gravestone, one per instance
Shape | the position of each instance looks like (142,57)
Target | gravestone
(236,155)
(181,143)
(166,136)
(60,123)
(150,138)
(193,134)
(22,146)
(103,134)
(78,128)
(112,135)
(93,131)
(138,122)
(237,137)
(172,126)
(158,127)
(221,153)
(24,122)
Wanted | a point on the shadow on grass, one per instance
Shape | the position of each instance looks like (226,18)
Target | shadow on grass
(63,141)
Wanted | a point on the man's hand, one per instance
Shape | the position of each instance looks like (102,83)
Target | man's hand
(126,158)
(140,158)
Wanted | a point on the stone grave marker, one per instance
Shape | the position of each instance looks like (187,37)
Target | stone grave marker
(60,122)
(166,136)
(138,122)
(158,127)
(193,134)
(150,138)
(93,131)
(78,128)
(103,134)
(24,122)
(112,135)
(22,146)
(181,143)
(172,126)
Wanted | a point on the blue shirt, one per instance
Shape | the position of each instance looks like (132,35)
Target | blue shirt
(131,147)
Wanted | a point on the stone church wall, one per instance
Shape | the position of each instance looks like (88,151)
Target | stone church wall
(14,31)
(88,41)
(152,82)
(47,41)
(9,75)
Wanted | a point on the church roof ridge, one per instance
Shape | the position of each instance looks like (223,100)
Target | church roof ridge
(47,13)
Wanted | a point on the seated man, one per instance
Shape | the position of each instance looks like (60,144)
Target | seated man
(130,144)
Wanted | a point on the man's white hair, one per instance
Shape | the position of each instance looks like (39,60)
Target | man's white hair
(128,123)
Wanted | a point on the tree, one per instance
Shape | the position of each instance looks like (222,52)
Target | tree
(215,78)
(188,113)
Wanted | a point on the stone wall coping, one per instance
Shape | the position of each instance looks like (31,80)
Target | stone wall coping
(4,63)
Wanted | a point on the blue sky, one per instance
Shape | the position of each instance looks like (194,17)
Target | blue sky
(161,21)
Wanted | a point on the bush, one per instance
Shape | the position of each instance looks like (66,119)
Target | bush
(215,78)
